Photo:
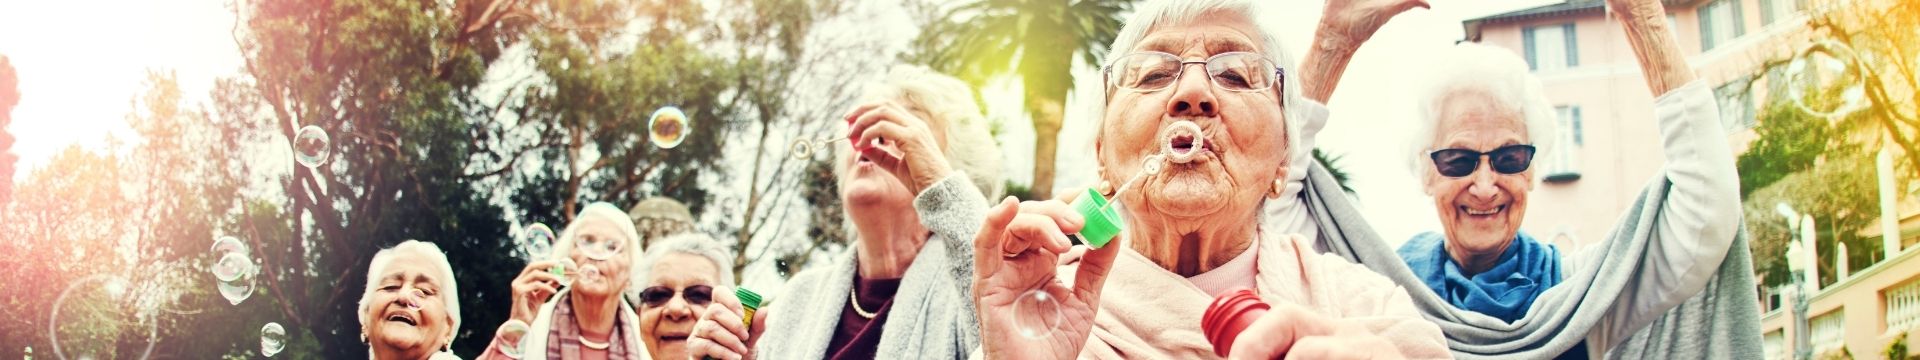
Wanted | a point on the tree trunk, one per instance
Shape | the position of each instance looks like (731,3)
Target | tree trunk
(1047,117)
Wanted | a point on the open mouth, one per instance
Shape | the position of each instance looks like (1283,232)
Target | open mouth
(403,318)
(1182,144)
(1482,212)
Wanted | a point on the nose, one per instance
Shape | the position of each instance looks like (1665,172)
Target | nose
(677,309)
(1483,187)
(409,300)
(1193,96)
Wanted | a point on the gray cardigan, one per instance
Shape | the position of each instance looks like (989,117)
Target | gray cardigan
(933,312)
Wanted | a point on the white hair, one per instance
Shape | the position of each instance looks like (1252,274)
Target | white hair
(1494,71)
(1158,13)
(692,243)
(605,211)
(449,288)
(970,145)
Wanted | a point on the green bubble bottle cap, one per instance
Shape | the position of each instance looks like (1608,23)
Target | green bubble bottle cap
(1102,222)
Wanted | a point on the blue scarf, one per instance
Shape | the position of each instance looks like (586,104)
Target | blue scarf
(1505,291)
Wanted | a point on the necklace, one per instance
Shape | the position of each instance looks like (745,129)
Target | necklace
(594,345)
(854,298)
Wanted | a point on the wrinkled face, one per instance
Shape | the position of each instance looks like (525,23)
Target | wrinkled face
(664,327)
(1481,212)
(865,186)
(406,313)
(1245,137)
(603,278)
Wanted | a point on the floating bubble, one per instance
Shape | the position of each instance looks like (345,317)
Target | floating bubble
(560,270)
(599,248)
(537,241)
(1822,69)
(1036,314)
(311,146)
(668,127)
(273,338)
(510,334)
(93,315)
(233,269)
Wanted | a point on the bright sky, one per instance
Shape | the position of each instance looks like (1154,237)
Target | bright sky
(80,64)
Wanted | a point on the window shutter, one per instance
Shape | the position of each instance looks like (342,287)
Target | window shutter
(1578,136)
(1766,12)
(1739,19)
(1705,13)
(1573,47)
(1526,36)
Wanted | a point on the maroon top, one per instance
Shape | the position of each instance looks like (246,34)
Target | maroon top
(858,337)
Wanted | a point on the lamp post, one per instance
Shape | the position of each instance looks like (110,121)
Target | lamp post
(1797,265)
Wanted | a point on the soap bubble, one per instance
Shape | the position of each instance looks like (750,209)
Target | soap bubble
(273,338)
(561,270)
(1823,69)
(1036,314)
(599,248)
(93,315)
(510,334)
(233,269)
(311,146)
(536,241)
(668,127)
(801,149)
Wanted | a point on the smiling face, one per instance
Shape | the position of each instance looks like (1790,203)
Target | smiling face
(1244,148)
(664,328)
(865,187)
(1481,212)
(407,315)
(603,278)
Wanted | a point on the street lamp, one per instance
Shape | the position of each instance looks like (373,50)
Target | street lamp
(1797,266)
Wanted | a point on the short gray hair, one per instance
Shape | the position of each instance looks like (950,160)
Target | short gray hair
(1499,73)
(1157,13)
(449,287)
(970,145)
(692,243)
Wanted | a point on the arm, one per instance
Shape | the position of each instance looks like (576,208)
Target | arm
(1700,212)
(1344,26)
(953,210)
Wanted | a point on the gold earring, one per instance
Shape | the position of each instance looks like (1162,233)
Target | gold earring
(1279,185)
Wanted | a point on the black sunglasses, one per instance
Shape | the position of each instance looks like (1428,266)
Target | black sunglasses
(698,295)
(1510,159)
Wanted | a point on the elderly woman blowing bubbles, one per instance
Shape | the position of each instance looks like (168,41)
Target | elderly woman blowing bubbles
(1482,122)
(411,307)
(588,318)
(1194,226)
(903,293)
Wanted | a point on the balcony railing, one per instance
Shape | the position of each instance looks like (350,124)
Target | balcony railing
(1903,306)
(1828,331)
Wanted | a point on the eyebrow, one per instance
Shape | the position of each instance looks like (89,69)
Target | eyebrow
(1213,45)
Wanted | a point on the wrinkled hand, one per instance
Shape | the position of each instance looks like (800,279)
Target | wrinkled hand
(1291,331)
(531,289)
(1355,21)
(721,333)
(1018,249)
(898,141)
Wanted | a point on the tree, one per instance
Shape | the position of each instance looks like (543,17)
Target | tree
(1037,40)
(9,96)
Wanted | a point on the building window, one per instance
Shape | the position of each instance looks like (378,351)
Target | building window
(1776,10)
(1775,344)
(1551,47)
(1736,106)
(1565,164)
(1720,22)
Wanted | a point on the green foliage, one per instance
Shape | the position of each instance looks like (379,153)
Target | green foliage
(1332,164)
(1896,349)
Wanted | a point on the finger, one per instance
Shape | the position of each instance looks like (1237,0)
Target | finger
(1063,215)
(1280,329)
(1035,231)
(987,243)
(1324,347)
(700,347)
(539,266)
(715,330)
(887,159)
(727,319)
(1091,276)
(1410,5)
(892,133)
(1068,196)
(865,116)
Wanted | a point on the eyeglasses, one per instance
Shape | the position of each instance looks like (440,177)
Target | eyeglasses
(1149,71)
(698,295)
(1510,159)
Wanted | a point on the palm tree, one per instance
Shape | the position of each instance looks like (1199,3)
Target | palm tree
(1036,40)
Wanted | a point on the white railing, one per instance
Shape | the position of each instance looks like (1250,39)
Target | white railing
(1775,344)
(1829,331)
(1903,306)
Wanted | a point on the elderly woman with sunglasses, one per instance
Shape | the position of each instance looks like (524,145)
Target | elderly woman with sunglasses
(911,180)
(572,306)
(678,277)
(1483,121)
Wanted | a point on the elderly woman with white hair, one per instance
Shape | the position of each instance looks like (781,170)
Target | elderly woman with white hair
(411,307)
(1205,128)
(1482,121)
(920,158)
(581,313)
(677,278)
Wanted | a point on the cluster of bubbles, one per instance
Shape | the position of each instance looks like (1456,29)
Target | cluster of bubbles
(536,243)
(273,339)
(1822,68)
(233,269)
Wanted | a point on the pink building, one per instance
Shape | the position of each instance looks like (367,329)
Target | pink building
(1609,142)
